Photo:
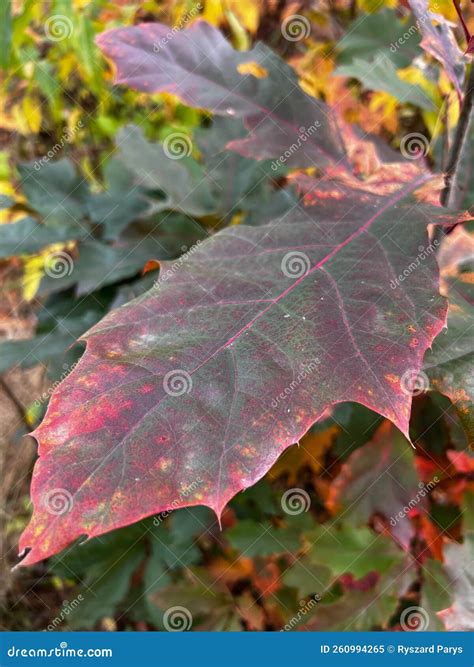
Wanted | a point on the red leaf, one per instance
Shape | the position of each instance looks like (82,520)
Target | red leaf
(189,393)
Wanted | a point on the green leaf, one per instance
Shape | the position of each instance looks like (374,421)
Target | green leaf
(252,538)
(308,578)
(435,594)
(28,236)
(358,609)
(381,74)
(122,202)
(351,550)
(181,180)
(55,189)
(380,477)
(5,33)
(450,363)
(358,424)
(371,35)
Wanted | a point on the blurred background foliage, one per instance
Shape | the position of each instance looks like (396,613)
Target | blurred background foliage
(85,203)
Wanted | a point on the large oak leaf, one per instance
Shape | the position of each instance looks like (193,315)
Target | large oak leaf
(189,393)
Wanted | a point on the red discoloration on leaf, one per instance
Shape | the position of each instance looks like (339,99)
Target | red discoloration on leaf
(251,328)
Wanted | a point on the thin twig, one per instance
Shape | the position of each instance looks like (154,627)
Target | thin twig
(451,192)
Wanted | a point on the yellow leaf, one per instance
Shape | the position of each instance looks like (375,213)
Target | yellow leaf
(374,5)
(241,39)
(33,272)
(247,12)
(67,64)
(213,12)
(32,111)
(385,105)
(309,453)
